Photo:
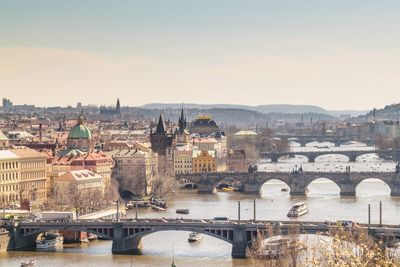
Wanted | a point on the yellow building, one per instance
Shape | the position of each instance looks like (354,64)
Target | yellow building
(9,178)
(32,166)
(204,161)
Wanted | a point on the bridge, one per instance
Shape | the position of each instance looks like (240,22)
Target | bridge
(351,154)
(303,140)
(127,235)
(251,182)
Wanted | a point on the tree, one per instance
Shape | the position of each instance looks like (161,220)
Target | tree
(76,197)
(339,247)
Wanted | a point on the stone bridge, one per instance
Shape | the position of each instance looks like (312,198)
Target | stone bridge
(351,154)
(297,181)
(303,140)
(126,236)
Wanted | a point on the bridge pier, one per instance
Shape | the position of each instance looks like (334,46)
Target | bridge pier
(206,187)
(239,244)
(251,188)
(121,245)
(19,242)
(353,158)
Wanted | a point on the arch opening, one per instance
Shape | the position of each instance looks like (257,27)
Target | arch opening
(322,186)
(332,157)
(373,187)
(160,243)
(274,187)
(293,158)
(229,184)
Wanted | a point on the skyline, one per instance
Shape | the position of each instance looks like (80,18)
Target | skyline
(230,52)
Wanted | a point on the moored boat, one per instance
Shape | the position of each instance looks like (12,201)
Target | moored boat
(194,236)
(297,210)
(50,241)
(182,211)
(30,263)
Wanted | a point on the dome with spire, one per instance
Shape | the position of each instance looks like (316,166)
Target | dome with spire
(80,131)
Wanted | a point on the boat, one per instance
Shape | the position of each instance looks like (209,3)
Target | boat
(182,211)
(227,189)
(30,263)
(92,236)
(194,236)
(280,248)
(50,241)
(297,210)
(157,208)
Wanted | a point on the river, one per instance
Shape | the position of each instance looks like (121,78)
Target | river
(323,200)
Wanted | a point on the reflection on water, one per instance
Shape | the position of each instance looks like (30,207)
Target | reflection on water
(323,201)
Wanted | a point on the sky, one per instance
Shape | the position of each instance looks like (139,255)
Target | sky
(340,54)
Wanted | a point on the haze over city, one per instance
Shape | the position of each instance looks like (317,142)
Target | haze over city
(335,54)
(227,133)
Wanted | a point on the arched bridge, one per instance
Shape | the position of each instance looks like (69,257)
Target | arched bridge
(127,236)
(351,154)
(297,181)
(303,140)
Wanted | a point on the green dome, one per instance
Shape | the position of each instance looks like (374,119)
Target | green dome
(80,131)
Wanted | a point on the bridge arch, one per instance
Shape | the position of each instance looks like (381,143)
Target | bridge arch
(329,187)
(221,234)
(373,186)
(333,153)
(275,186)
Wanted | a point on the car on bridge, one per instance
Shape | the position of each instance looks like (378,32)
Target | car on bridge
(220,220)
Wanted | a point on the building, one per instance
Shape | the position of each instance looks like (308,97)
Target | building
(79,154)
(7,104)
(203,125)
(32,167)
(4,142)
(9,178)
(84,179)
(183,159)
(79,139)
(236,161)
(135,170)
(204,161)
(110,111)
(161,140)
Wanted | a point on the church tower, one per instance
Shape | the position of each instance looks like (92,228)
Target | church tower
(118,107)
(158,139)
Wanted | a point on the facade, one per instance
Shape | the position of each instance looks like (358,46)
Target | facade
(84,179)
(236,161)
(161,140)
(9,178)
(32,165)
(135,170)
(183,159)
(204,161)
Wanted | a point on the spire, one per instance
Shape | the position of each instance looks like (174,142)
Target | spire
(80,117)
(182,122)
(160,125)
(118,107)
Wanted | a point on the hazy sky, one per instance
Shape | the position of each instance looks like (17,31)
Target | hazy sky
(339,54)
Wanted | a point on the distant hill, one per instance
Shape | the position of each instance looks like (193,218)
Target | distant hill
(266,109)
(389,112)
(225,116)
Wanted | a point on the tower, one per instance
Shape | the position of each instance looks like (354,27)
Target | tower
(158,138)
(118,107)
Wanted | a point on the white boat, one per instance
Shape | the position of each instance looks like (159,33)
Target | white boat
(50,241)
(194,236)
(30,263)
(297,210)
